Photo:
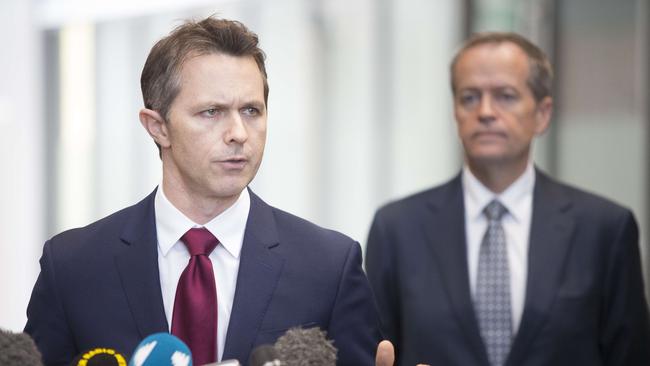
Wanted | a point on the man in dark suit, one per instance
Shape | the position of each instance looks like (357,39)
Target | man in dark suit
(503,265)
(202,256)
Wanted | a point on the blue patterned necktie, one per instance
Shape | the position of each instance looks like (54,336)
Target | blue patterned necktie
(492,297)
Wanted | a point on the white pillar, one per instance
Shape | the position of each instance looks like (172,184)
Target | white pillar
(22,205)
(424,143)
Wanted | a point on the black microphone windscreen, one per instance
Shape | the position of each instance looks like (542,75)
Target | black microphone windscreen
(306,347)
(18,349)
(264,355)
(99,357)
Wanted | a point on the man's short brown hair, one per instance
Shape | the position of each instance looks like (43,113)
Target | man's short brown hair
(160,79)
(540,77)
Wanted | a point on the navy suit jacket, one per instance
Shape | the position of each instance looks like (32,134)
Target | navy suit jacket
(99,287)
(584,302)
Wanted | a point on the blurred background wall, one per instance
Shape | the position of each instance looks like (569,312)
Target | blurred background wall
(359,110)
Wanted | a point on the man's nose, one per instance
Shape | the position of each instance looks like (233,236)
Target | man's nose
(486,110)
(237,131)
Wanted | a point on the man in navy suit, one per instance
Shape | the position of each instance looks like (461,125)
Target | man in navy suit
(115,281)
(503,265)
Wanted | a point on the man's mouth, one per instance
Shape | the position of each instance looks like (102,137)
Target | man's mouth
(233,163)
(490,135)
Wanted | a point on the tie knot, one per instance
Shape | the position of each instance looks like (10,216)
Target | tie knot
(199,241)
(494,210)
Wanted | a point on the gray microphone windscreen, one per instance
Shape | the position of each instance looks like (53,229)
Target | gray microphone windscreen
(306,347)
(264,355)
(232,362)
(18,349)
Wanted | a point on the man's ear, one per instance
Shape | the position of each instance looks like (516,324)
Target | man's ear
(543,114)
(155,125)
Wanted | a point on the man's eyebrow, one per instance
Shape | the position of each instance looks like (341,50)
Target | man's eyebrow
(209,103)
(469,88)
(255,103)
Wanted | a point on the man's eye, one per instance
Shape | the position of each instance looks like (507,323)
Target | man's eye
(507,97)
(209,112)
(468,99)
(250,111)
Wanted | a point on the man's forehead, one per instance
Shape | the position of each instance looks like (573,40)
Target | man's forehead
(220,79)
(494,63)
(219,63)
(197,55)
(492,52)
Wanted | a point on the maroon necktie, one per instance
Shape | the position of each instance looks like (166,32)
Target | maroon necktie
(195,307)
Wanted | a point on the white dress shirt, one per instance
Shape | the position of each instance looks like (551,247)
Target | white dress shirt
(518,200)
(173,256)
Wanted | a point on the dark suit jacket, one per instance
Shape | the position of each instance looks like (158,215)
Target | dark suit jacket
(584,302)
(99,287)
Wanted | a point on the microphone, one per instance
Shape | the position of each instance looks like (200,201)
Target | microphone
(161,349)
(18,349)
(224,363)
(264,355)
(99,357)
(301,347)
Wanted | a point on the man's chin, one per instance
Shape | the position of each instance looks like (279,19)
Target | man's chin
(231,187)
(488,156)
(492,160)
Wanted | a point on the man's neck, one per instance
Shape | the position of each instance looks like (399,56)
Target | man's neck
(199,208)
(497,177)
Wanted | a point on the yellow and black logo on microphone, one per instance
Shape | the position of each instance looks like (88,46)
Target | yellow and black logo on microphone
(101,356)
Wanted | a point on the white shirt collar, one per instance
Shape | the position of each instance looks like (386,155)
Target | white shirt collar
(477,195)
(228,227)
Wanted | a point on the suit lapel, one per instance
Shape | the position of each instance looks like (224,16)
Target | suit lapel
(259,271)
(550,240)
(445,228)
(138,269)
